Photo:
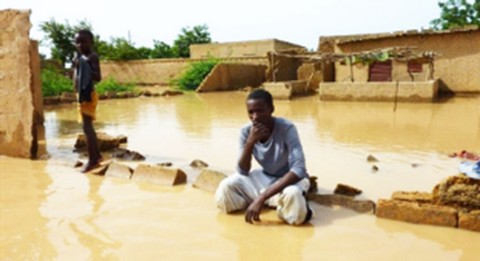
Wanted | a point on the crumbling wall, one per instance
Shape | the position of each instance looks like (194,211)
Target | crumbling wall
(285,68)
(379,91)
(157,71)
(311,73)
(232,76)
(17,99)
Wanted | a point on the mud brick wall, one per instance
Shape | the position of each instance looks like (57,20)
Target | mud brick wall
(17,80)
(240,49)
(157,71)
(232,76)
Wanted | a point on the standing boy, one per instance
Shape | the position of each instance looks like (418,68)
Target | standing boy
(86,74)
(283,180)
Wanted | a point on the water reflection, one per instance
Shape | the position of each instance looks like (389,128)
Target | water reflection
(271,239)
(22,227)
(72,207)
(441,127)
(194,116)
(468,249)
(336,136)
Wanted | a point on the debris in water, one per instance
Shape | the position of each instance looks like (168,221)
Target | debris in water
(371,158)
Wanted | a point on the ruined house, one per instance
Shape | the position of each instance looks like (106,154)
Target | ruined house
(406,66)
(457,65)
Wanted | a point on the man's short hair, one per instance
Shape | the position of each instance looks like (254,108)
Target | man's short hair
(86,32)
(261,94)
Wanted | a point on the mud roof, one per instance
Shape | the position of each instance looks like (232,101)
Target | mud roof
(345,39)
(256,41)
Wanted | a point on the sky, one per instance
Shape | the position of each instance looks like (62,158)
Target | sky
(301,21)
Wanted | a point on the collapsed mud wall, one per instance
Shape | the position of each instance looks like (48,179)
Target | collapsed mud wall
(232,76)
(20,87)
(157,71)
(282,68)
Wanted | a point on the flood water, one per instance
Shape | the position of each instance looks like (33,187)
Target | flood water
(51,211)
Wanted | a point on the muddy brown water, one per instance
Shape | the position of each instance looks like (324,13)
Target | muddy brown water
(51,211)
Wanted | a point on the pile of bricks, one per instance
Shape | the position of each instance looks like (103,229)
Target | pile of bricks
(455,202)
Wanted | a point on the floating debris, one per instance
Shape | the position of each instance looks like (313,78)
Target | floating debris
(371,158)
(165,164)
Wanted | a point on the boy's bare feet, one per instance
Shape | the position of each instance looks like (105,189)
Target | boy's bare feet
(92,165)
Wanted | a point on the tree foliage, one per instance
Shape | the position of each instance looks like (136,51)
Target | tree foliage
(118,49)
(60,36)
(161,50)
(198,34)
(457,13)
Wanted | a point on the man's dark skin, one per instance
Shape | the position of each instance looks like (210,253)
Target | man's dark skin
(260,113)
(85,47)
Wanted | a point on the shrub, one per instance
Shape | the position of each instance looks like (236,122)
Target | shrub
(195,74)
(110,84)
(54,82)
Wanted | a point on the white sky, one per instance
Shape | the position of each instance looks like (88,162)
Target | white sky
(299,21)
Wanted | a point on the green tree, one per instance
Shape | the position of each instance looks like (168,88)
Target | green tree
(61,37)
(161,50)
(457,13)
(198,34)
(121,49)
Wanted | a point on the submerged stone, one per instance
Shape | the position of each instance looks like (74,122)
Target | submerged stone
(165,164)
(361,206)
(371,158)
(105,142)
(119,171)
(208,180)
(129,155)
(78,164)
(198,164)
(159,175)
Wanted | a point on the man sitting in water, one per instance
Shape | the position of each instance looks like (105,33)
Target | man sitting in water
(283,180)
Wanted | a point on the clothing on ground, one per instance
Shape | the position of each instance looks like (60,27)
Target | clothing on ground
(471,169)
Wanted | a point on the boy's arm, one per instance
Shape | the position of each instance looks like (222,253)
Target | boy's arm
(74,74)
(95,65)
